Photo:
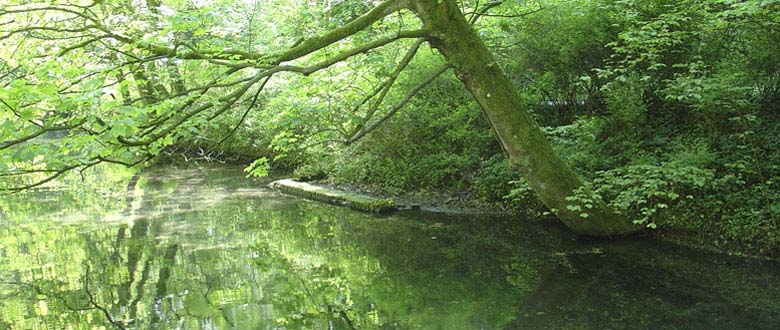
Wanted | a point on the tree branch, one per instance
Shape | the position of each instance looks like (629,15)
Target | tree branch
(230,99)
(385,87)
(311,45)
(360,49)
(482,11)
(11,143)
(57,174)
(302,49)
(244,115)
(398,106)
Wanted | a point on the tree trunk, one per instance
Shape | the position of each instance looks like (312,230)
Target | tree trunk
(527,147)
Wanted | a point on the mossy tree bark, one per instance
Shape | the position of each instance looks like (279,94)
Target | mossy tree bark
(528,149)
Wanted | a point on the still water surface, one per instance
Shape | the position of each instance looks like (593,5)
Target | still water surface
(205,248)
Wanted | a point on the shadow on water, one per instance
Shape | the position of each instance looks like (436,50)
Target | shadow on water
(641,285)
(205,248)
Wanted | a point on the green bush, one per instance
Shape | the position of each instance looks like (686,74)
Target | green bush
(643,193)
(494,179)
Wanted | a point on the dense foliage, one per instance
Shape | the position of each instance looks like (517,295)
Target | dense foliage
(668,109)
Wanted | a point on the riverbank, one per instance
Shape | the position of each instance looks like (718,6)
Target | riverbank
(464,202)
(429,201)
(461,203)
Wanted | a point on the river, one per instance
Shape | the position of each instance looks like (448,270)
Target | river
(206,248)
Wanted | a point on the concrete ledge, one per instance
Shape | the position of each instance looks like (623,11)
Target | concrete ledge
(333,196)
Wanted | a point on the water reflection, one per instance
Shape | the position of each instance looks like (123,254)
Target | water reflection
(205,248)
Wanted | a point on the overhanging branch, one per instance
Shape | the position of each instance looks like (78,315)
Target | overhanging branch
(301,49)
(383,89)
(363,48)
(398,106)
(11,143)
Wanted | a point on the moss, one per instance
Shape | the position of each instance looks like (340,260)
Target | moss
(334,197)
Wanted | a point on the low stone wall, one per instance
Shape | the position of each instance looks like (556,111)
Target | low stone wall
(333,196)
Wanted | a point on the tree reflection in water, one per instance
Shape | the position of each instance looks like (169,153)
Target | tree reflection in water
(205,248)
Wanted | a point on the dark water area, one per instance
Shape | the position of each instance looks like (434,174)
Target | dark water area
(206,248)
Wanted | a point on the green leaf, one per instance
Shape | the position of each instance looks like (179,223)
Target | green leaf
(258,168)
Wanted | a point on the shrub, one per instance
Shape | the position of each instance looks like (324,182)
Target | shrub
(641,192)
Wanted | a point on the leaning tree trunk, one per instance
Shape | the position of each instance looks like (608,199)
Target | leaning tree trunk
(528,149)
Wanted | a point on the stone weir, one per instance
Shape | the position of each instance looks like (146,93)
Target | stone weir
(334,196)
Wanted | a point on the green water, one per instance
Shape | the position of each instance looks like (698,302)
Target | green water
(208,249)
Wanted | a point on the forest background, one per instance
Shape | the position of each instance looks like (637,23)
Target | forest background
(667,109)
